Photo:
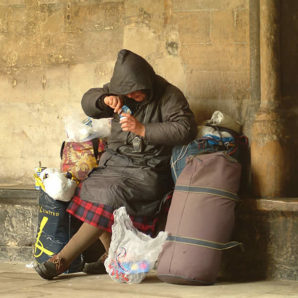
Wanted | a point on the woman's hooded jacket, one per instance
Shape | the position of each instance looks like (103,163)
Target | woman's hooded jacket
(135,172)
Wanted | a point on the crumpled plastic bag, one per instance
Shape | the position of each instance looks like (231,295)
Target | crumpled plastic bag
(81,131)
(205,131)
(221,119)
(56,184)
(101,128)
(132,254)
(76,130)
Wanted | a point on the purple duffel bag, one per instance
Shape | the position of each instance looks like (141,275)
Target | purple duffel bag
(200,219)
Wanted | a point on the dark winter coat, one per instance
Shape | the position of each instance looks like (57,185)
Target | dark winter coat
(130,175)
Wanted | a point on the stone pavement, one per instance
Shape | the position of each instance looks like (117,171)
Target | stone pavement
(18,281)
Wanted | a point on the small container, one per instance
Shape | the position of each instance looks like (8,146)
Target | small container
(87,121)
(124,109)
(37,172)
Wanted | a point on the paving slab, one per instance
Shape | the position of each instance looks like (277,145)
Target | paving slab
(19,281)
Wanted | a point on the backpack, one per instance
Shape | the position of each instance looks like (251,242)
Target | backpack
(79,158)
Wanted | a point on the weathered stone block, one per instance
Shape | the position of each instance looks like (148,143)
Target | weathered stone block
(18,223)
(190,5)
(149,13)
(228,26)
(12,2)
(87,71)
(95,46)
(21,47)
(172,68)
(218,85)
(41,2)
(134,36)
(193,27)
(223,57)
(51,20)
(92,17)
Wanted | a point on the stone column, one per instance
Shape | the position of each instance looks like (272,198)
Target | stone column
(268,162)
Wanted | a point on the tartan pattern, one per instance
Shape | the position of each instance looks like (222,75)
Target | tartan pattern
(101,216)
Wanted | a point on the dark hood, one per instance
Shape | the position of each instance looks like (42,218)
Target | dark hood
(131,73)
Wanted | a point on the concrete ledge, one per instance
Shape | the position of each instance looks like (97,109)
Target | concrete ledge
(267,229)
(281,204)
(18,196)
(18,223)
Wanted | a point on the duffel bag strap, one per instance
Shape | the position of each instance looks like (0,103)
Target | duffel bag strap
(204,243)
(208,190)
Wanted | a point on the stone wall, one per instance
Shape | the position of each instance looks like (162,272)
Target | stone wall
(52,51)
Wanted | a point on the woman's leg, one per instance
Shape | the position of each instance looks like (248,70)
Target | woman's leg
(105,238)
(81,240)
(98,266)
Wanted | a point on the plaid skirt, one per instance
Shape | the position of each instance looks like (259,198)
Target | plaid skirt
(101,216)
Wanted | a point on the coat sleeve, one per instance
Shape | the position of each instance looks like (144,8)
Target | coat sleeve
(178,126)
(93,105)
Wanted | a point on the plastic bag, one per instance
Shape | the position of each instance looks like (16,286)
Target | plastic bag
(132,253)
(101,128)
(55,228)
(56,184)
(78,130)
(220,119)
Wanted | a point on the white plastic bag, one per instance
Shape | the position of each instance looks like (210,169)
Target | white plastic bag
(220,119)
(76,130)
(101,128)
(56,185)
(209,130)
(132,253)
(79,130)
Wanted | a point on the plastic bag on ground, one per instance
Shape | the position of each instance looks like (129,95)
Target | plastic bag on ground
(132,253)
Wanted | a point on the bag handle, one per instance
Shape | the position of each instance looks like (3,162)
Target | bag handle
(61,150)
(95,144)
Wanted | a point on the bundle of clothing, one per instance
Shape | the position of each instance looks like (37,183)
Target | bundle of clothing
(220,133)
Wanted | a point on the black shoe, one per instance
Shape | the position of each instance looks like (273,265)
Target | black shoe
(97,267)
(51,268)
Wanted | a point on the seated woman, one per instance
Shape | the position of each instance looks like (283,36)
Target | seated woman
(135,169)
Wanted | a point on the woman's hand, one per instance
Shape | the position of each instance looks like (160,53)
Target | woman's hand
(114,102)
(130,123)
